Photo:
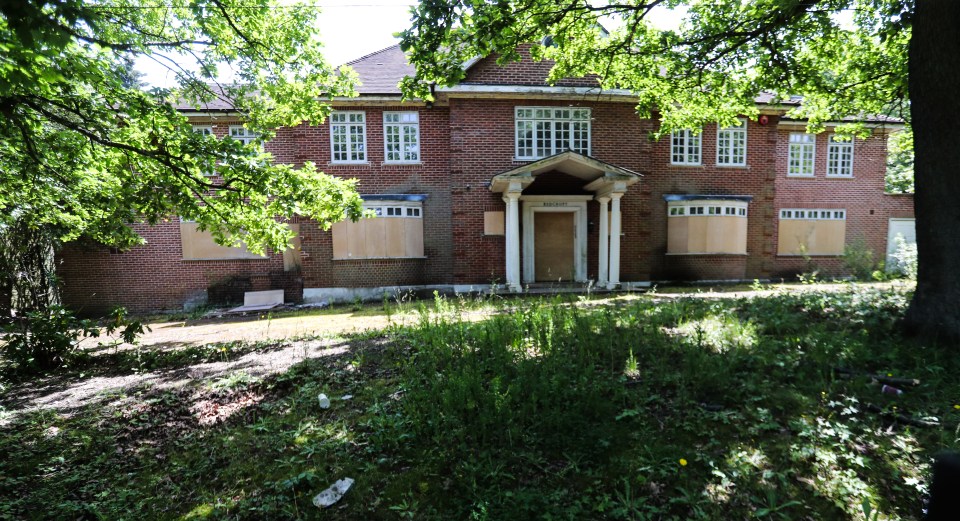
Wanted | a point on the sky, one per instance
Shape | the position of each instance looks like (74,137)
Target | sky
(350,30)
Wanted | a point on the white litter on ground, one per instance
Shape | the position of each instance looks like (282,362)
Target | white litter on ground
(333,494)
(324,401)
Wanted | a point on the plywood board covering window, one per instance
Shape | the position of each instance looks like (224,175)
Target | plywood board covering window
(707,227)
(811,232)
(199,245)
(395,232)
(493,223)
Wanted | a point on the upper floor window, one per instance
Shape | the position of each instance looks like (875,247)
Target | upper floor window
(801,155)
(732,145)
(401,137)
(244,135)
(545,131)
(348,136)
(684,147)
(839,157)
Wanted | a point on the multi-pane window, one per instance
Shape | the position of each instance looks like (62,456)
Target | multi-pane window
(732,145)
(401,137)
(813,214)
(840,157)
(348,132)
(704,227)
(685,210)
(801,154)
(545,131)
(243,135)
(684,147)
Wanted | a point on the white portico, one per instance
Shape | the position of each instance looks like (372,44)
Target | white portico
(554,217)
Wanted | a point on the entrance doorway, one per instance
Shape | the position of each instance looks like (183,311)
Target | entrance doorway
(554,234)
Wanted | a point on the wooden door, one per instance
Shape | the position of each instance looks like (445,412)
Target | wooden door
(553,246)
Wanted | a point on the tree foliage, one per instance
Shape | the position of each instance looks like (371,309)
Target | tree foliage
(710,69)
(85,152)
(900,163)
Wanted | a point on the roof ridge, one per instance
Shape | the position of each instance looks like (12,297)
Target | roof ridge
(364,57)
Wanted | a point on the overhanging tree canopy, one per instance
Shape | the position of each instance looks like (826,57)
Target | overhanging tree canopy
(845,57)
(84,151)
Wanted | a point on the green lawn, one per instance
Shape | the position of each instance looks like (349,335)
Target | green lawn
(656,407)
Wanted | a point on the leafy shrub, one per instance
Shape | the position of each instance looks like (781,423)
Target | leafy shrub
(905,258)
(43,340)
(859,260)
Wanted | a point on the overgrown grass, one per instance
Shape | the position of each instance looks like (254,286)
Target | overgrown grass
(648,408)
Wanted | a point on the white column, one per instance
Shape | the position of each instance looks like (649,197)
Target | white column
(604,237)
(513,240)
(614,274)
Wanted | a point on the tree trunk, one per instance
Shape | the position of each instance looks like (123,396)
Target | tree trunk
(934,76)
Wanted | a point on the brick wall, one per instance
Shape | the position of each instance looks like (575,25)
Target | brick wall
(868,208)
(464,143)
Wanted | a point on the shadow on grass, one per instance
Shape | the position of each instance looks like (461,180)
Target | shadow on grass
(687,409)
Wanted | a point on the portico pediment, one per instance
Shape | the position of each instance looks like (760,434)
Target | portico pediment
(597,175)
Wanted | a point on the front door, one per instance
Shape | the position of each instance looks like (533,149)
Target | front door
(553,246)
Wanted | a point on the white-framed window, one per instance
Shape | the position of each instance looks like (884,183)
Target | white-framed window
(704,227)
(394,209)
(545,131)
(401,137)
(801,155)
(719,209)
(394,231)
(839,157)
(684,147)
(243,135)
(732,145)
(813,214)
(348,137)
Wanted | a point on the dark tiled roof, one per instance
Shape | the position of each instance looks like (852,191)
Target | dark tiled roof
(381,71)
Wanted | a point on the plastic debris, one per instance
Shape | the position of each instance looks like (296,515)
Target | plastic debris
(324,401)
(333,494)
(889,389)
(346,397)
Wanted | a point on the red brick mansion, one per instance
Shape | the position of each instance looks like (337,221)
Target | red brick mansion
(506,180)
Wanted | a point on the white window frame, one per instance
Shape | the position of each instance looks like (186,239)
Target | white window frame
(405,120)
(358,156)
(802,144)
(395,209)
(550,121)
(727,153)
(242,134)
(684,144)
(813,214)
(715,208)
(837,164)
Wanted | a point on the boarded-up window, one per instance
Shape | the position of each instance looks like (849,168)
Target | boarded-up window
(292,259)
(805,231)
(199,245)
(707,227)
(493,223)
(395,232)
